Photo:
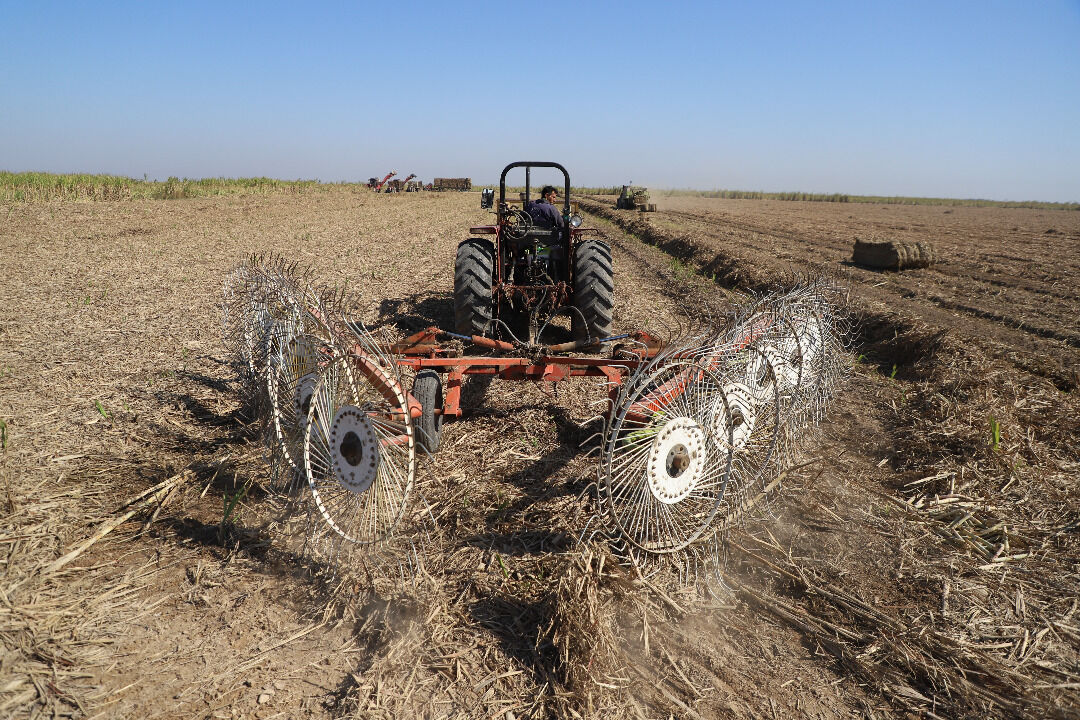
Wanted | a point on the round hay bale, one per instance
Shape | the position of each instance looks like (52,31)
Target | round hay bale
(893,254)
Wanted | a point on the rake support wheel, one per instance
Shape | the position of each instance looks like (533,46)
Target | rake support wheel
(427,388)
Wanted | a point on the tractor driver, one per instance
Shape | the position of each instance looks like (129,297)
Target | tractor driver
(543,212)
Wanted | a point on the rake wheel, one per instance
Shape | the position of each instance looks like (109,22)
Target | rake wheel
(664,470)
(752,392)
(816,346)
(257,305)
(359,449)
(292,374)
(246,318)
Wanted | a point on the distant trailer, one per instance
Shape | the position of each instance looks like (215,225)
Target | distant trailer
(460,184)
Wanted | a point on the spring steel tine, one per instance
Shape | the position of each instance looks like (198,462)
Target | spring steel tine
(427,506)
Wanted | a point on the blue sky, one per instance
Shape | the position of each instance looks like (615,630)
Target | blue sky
(957,99)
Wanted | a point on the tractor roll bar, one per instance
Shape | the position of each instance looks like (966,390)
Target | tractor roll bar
(529,165)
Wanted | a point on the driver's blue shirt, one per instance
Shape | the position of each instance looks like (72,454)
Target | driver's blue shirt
(544,214)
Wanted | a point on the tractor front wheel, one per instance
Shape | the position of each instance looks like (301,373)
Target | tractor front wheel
(474,275)
(594,290)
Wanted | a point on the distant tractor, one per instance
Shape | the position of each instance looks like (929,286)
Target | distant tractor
(635,197)
(533,271)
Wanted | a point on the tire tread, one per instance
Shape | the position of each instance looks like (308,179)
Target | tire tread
(594,290)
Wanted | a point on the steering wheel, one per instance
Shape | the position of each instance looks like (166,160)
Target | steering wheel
(518,223)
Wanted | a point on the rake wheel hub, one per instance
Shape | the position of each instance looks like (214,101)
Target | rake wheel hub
(808,332)
(676,460)
(355,449)
(305,390)
(740,404)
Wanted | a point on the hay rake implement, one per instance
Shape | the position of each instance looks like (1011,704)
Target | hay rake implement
(696,428)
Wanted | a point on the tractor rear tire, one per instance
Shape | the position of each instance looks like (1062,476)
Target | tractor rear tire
(427,389)
(594,290)
(474,276)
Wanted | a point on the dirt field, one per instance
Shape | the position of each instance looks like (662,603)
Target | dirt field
(919,564)
(1009,277)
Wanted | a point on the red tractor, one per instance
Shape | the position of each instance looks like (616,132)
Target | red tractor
(527,270)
